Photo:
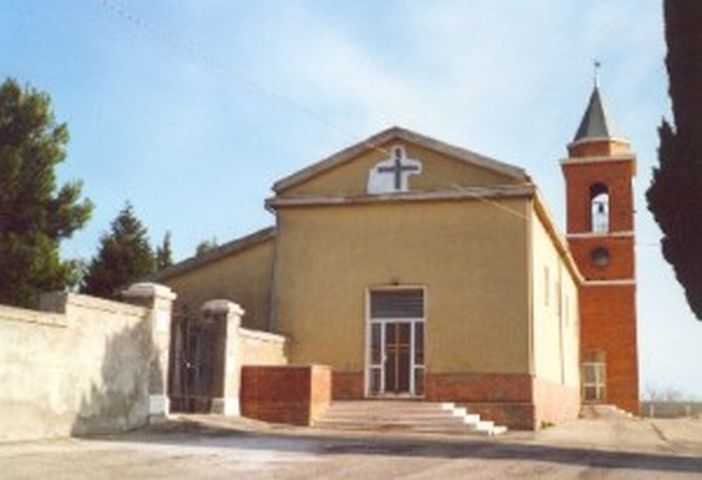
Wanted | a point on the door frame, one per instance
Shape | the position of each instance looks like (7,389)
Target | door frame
(383,321)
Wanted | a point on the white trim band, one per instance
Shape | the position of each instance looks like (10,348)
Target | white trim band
(468,193)
(628,233)
(609,283)
(598,159)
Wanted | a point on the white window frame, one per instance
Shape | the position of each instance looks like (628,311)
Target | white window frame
(600,382)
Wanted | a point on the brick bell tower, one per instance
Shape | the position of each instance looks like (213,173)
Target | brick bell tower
(599,175)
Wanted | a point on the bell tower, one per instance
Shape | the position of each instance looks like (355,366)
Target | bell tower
(598,174)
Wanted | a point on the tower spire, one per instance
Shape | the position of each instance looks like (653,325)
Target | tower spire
(595,124)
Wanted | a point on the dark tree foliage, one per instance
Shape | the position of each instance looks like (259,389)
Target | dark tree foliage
(35,214)
(124,257)
(675,194)
(164,256)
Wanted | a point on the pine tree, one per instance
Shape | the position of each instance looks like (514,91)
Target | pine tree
(163,253)
(675,194)
(35,215)
(124,257)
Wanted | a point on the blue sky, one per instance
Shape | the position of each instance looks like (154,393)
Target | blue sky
(194,116)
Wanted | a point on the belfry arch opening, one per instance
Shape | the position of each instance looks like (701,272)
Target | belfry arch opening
(599,208)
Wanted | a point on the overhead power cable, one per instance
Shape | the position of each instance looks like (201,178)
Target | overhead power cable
(249,83)
(256,88)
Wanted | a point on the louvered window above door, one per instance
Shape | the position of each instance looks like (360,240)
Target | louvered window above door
(397,303)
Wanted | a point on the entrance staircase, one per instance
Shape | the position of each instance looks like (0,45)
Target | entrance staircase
(405,416)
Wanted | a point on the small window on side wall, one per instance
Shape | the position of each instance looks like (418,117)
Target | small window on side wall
(599,208)
(547,292)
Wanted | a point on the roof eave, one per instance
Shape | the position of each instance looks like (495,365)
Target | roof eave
(229,248)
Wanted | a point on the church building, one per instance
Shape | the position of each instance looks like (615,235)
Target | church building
(422,270)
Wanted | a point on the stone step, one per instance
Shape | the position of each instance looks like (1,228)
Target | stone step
(370,404)
(415,416)
(410,419)
(394,413)
(453,428)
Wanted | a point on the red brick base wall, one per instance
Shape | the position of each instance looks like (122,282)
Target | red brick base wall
(478,387)
(518,401)
(347,386)
(516,416)
(285,394)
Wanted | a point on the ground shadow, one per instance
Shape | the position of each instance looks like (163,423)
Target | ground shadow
(185,433)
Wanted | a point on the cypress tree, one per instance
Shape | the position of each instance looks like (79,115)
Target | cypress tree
(675,194)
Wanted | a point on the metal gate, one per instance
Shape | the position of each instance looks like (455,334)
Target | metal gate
(195,353)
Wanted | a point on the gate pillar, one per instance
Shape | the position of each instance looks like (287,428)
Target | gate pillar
(226,371)
(158,299)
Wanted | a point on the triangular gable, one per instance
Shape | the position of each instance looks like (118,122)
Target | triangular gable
(380,149)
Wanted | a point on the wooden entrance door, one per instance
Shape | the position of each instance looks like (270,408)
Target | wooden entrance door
(398,357)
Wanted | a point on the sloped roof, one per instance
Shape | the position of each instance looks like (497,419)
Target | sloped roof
(595,124)
(216,253)
(397,133)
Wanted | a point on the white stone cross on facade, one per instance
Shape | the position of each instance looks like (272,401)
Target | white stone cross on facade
(392,175)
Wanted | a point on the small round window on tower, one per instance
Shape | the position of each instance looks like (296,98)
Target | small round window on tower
(600,257)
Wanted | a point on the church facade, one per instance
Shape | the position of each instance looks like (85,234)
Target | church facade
(417,269)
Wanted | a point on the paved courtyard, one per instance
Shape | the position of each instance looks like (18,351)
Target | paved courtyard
(202,447)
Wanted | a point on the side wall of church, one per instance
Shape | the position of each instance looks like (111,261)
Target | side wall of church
(469,255)
(243,277)
(556,330)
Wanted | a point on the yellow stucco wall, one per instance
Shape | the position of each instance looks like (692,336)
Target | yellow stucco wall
(439,172)
(555,311)
(243,277)
(470,256)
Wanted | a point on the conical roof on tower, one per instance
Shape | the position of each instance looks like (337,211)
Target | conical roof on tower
(595,123)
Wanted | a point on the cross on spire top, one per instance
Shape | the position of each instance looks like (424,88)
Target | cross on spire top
(596,65)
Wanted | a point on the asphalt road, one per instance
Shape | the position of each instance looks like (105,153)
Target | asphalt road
(199,447)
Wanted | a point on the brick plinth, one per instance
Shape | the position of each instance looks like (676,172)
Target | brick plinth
(285,394)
